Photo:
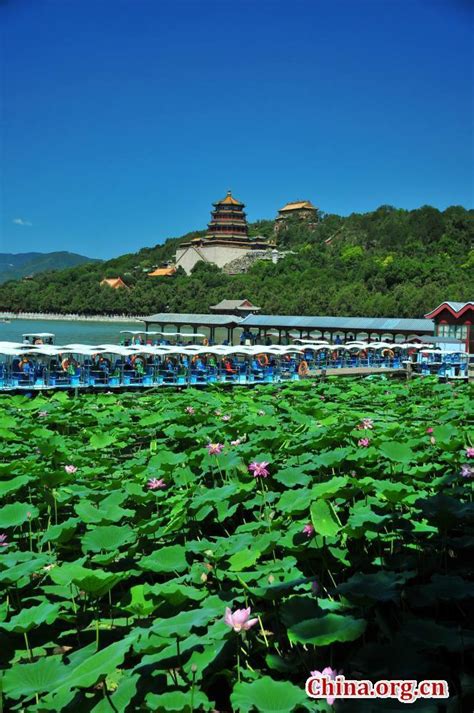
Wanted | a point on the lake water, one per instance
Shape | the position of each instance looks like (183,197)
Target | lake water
(83,332)
(67,332)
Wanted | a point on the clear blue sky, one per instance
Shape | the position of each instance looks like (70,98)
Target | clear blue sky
(124,119)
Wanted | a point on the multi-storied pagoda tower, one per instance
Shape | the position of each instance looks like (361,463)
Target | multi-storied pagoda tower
(228,221)
(227,238)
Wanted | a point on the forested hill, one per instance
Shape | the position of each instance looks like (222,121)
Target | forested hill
(14,266)
(389,262)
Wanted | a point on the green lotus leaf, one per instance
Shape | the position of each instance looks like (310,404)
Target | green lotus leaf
(291,477)
(32,678)
(326,630)
(120,700)
(95,667)
(398,452)
(166,559)
(324,519)
(268,696)
(61,533)
(17,567)
(14,484)
(329,487)
(178,702)
(102,440)
(244,559)
(108,510)
(380,586)
(17,514)
(108,538)
(31,617)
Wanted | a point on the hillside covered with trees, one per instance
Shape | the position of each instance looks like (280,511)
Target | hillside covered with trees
(390,262)
(14,266)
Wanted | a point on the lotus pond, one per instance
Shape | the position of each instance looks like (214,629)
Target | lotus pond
(340,513)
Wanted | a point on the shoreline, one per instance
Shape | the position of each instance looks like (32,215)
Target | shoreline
(36,316)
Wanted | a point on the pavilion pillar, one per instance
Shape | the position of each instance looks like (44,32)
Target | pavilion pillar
(194,332)
(279,336)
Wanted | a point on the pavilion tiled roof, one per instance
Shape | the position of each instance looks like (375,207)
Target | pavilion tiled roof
(229,200)
(243,305)
(297,205)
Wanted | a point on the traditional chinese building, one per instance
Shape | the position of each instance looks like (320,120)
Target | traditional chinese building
(302,210)
(455,320)
(227,238)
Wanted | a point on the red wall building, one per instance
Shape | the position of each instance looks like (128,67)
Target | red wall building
(455,319)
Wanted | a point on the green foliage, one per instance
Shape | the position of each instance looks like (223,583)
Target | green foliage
(388,262)
(114,594)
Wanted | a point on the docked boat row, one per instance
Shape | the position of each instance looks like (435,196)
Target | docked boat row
(37,363)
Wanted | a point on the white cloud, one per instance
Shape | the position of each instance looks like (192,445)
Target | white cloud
(21,221)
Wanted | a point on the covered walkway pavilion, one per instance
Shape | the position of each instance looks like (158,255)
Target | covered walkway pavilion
(330,327)
(197,322)
(286,327)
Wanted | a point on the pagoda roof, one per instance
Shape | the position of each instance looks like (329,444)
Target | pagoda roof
(228,200)
(297,205)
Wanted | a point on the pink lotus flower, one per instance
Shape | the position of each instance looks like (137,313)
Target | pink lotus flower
(3,541)
(70,469)
(429,430)
(239,620)
(363,442)
(155,484)
(308,530)
(469,452)
(329,673)
(190,410)
(259,470)
(237,442)
(226,417)
(365,424)
(467,471)
(214,448)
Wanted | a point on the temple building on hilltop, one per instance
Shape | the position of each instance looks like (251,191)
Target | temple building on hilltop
(227,238)
(302,210)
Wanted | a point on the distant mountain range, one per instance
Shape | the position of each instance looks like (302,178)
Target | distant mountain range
(14,266)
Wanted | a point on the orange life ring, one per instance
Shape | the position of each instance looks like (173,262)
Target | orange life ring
(262,359)
(388,352)
(65,364)
(303,369)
